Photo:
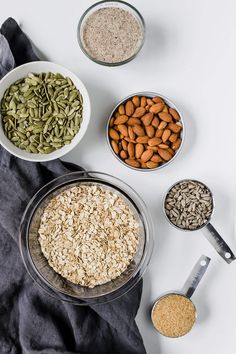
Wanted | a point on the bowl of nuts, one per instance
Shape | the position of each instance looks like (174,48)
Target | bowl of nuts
(145,131)
(44,112)
(86,237)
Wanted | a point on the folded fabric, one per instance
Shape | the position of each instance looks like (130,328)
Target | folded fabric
(30,320)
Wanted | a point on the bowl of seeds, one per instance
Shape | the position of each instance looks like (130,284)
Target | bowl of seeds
(44,112)
(111,32)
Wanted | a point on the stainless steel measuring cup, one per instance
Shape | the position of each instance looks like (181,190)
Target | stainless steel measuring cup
(208,229)
(186,292)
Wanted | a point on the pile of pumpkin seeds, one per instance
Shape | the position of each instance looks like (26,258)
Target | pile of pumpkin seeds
(189,204)
(41,112)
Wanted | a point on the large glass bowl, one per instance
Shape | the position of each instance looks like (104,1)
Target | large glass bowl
(52,282)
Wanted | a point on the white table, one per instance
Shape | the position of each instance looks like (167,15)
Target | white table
(190,56)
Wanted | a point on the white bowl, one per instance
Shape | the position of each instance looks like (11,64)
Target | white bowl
(40,67)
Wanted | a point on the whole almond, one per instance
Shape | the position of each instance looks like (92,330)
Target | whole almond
(173,137)
(165,116)
(157,99)
(143,101)
(176,144)
(139,148)
(111,123)
(147,119)
(124,144)
(142,139)
(174,127)
(131,150)
(123,154)
(159,133)
(162,125)
(131,133)
(150,102)
(156,108)
(146,155)
(163,146)
(156,158)
(152,164)
(130,140)
(133,163)
(139,112)
(123,129)
(155,122)
(129,108)
(115,146)
(121,119)
(133,121)
(121,109)
(154,141)
(136,101)
(138,130)
(166,134)
(113,134)
(165,155)
(150,131)
(174,113)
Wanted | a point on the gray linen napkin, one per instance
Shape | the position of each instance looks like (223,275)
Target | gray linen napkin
(30,320)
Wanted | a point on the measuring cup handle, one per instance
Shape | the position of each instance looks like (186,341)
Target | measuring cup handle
(195,276)
(218,243)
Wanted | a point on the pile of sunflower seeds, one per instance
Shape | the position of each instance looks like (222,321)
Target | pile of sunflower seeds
(41,112)
(189,205)
(89,234)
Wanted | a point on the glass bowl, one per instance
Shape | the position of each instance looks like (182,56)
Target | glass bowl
(52,282)
(105,4)
(171,105)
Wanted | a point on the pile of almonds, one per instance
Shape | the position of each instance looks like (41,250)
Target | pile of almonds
(145,132)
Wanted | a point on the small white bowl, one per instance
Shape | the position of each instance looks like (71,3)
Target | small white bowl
(40,67)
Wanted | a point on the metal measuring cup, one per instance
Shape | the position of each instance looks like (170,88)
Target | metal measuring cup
(186,292)
(208,229)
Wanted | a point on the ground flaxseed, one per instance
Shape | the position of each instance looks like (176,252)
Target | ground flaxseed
(111,35)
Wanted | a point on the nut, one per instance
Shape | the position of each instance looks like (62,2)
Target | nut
(121,119)
(136,101)
(166,117)
(150,131)
(157,107)
(138,130)
(146,155)
(129,108)
(113,134)
(139,148)
(147,119)
(139,112)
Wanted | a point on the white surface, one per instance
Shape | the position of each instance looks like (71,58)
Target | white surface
(189,56)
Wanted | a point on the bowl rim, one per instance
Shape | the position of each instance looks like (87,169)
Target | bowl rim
(14,150)
(79,27)
(172,105)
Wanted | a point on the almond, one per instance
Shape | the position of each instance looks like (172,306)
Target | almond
(150,131)
(157,99)
(146,155)
(164,154)
(121,109)
(129,108)
(153,148)
(138,130)
(131,150)
(129,140)
(131,133)
(123,154)
(154,141)
(174,113)
(159,133)
(113,134)
(162,125)
(150,102)
(143,102)
(143,164)
(155,122)
(117,114)
(139,148)
(163,146)
(133,121)
(121,119)
(136,101)
(156,108)
(156,158)
(152,164)
(115,146)
(133,163)
(166,134)
(111,123)
(173,137)
(171,151)
(123,129)
(142,139)
(165,116)
(139,112)
(176,144)
(124,144)
(174,127)
(147,119)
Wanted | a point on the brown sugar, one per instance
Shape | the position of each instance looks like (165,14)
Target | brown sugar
(173,315)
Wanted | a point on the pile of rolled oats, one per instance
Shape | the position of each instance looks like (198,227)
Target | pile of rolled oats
(89,234)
